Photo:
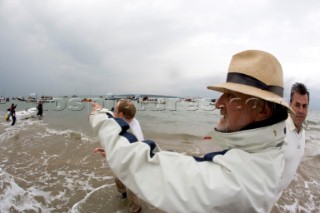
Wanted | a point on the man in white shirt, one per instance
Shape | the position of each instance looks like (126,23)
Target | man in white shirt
(126,110)
(295,133)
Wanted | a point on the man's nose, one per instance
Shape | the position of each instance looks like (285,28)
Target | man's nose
(300,109)
(219,103)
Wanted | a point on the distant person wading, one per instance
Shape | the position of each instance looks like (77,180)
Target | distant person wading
(12,113)
(40,109)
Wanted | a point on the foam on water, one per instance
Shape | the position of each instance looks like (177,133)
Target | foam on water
(79,206)
(73,134)
(47,165)
(42,168)
(15,198)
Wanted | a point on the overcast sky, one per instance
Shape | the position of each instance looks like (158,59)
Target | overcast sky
(167,47)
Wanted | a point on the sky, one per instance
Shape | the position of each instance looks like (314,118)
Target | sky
(163,47)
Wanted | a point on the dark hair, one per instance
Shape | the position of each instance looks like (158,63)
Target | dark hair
(299,88)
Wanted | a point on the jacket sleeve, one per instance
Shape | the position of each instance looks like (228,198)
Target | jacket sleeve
(170,181)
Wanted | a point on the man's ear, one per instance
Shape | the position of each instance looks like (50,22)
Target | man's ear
(264,112)
(120,114)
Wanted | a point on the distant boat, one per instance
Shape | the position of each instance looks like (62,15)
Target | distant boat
(86,100)
(25,114)
(147,99)
(3,100)
(46,99)
(110,96)
(31,99)
(28,99)
(21,98)
(190,100)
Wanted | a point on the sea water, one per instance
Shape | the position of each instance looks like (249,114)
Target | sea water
(47,164)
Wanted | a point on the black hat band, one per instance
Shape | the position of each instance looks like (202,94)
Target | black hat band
(244,79)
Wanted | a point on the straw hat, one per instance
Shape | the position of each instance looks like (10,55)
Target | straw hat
(256,73)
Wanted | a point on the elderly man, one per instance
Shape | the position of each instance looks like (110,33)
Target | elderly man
(242,178)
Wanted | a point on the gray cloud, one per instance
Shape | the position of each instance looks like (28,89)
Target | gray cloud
(160,47)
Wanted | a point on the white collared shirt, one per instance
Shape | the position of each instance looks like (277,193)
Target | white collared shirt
(293,153)
(136,129)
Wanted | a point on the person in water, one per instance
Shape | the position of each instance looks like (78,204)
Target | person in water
(40,109)
(244,177)
(12,113)
(126,110)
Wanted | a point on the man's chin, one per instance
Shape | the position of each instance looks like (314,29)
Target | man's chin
(221,128)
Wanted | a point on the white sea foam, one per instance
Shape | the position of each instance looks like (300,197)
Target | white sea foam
(76,208)
(68,132)
(13,197)
(65,170)
(8,134)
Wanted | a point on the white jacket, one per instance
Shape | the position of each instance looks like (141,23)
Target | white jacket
(244,179)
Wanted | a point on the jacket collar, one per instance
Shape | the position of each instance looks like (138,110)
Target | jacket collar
(252,140)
